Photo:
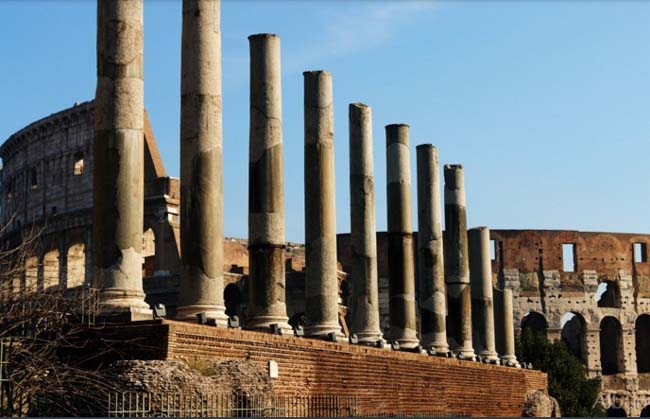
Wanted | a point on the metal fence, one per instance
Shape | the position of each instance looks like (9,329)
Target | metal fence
(138,404)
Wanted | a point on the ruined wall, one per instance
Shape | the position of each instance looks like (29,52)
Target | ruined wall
(385,381)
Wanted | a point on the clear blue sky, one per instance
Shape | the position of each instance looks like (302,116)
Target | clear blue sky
(546,104)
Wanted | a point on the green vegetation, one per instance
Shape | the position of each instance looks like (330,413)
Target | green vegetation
(577,395)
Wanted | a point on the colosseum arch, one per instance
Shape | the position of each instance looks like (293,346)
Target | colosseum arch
(574,334)
(31,274)
(611,346)
(51,268)
(76,272)
(149,252)
(642,340)
(645,412)
(536,322)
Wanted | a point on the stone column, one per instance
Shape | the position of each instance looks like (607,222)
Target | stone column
(118,169)
(363,234)
(507,326)
(266,242)
(201,284)
(459,300)
(321,281)
(481,285)
(401,275)
(431,269)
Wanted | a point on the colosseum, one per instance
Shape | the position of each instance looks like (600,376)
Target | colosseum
(590,289)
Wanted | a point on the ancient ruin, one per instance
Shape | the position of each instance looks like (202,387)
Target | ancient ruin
(434,309)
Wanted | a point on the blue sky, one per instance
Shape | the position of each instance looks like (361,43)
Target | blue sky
(546,104)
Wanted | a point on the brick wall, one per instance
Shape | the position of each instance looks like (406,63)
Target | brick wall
(384,381)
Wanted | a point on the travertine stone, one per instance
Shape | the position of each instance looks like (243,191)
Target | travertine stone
(459,300)
(482,303)
(364,304)
(507,338)
(321,281)
(400,238)
(201,286)
(266,242)
(118,178)
(431,269)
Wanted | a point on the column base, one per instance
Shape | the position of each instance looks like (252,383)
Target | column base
(123,306)
(368,338)
(263,324)
(510,361)
(407,338)
(323,330)
(491,356)
(188,313)
(435,343)
(465,353)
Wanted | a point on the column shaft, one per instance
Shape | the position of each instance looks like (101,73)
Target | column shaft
(401,275)
(321,281)
(506,329)
(459,300)
(482,301)
(363,235)
(431,270)
(266,241)
(201,286)
(118,170)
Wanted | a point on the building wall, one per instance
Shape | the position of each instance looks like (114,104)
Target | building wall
(384,381)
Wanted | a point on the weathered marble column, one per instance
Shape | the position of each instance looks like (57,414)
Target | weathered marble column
(201,285)
(506,328)
(431,269)
(266,242)
(363,234)
(459,300)
(321,281)
(480,268)
(118,171)
(401,275)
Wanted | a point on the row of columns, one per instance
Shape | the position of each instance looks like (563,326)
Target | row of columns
(118,200)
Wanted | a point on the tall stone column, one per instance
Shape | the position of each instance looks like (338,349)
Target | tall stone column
(118,171)
(201,285)
(459,300)
(431,269)
(363,234)
(480,268)
(321,281)
(505,328)
(401,275)
(266,242)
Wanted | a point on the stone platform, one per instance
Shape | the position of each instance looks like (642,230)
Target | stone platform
(384,381)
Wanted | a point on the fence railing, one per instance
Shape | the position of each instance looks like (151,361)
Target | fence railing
(138,404)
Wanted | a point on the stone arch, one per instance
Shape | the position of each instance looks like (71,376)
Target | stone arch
(642,340)
(232,299)
(76,268)
(51,267)
(645,412)
(536,322)
(31,274)
(149,252)
(611,346)
(574,334)
(608,294)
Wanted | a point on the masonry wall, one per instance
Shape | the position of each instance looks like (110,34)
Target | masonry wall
(384,381)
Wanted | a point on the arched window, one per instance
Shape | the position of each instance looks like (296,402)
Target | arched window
(611,346)
(33,176)
(78,167)
(534,321)
(51,269)
(608,294)
(232,299)
(76,271)
(573,334)
(642,327)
